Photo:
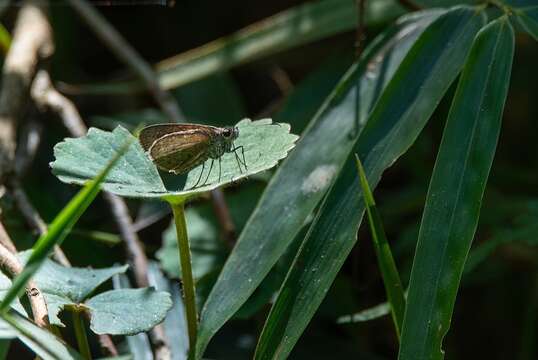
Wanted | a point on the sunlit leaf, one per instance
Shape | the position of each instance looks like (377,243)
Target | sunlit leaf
(264,143)
(454,197)
(399,115)
(303,179)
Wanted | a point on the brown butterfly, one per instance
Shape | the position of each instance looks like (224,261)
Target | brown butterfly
(179,148)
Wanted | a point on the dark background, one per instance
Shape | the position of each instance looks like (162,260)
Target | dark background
(492,314)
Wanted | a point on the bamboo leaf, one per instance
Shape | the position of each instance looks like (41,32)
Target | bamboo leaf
(455,193)
(371,313)
(291,28)
(396,120)
(528,18)
(303,179)
(389,272)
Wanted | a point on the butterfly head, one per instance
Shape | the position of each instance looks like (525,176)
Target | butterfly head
(230,133)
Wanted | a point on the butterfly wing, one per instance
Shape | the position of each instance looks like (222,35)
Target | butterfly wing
(179,152)
(152,133)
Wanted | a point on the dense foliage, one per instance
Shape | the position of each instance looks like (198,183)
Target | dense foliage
(391,111)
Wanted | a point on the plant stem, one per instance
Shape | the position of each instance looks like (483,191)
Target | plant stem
(186,272)
(80,334)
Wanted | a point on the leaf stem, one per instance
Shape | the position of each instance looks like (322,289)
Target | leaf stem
(80,334)
(186,271)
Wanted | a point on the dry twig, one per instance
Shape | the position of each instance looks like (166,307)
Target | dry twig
(12,267)
(126,53)
(32,42)
(47,97)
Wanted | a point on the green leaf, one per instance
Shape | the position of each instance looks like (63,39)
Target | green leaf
(523,233)
(129,120)
(387,266)
(42,342)
(291,28)
(302,180)
(175,324)
(4,348)
(127,311)
(528,18)
(63,286)
(223,109)
(396,120)
(371,313)
(303,102)
(74,283)
(139,344)
(77,160)
(5,39)
(455,193)
(62,225)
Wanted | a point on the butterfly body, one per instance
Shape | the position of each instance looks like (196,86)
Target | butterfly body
(178,148)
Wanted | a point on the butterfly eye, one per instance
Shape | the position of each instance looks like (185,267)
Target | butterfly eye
(227,133)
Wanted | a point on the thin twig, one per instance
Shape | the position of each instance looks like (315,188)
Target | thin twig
(32,42)
(360,36)
(5,240)
(282,80)
(126,53)
(223,216)
(27,146)
(47,97)
(137,256)
(32,217)
(12,267)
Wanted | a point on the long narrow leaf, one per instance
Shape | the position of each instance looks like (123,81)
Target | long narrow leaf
(455,193)
(398,117)
(304,177)
(528,18)
(294,27)
(60,228)
(389,272)
(42,342)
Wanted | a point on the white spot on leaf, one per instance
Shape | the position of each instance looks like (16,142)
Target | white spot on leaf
(319,179)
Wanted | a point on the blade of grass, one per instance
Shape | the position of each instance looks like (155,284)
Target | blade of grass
(315,162)
(389,272)
(5,39)
(291,28)
(454,197)
(60,228)
(40,340)
(80,334)
(395,122)
(528,18)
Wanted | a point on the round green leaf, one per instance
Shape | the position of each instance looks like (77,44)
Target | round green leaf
(81,159)
(127,311)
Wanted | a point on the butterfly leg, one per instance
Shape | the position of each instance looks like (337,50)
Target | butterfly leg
(220,158)
(242,154)
(209,173)
(199,177)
